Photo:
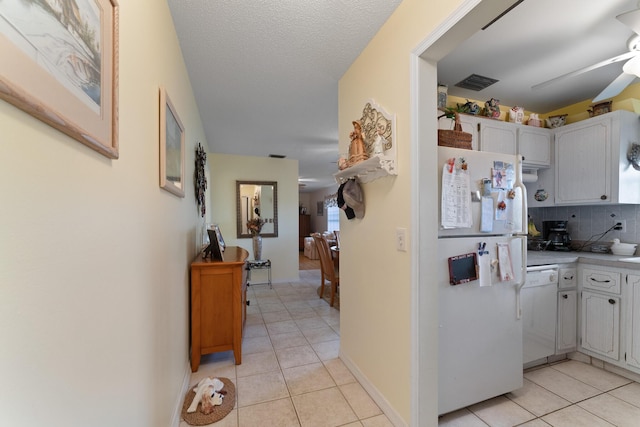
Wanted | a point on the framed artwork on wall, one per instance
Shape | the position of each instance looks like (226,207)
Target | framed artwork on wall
(319,208)
(64,66)
(171,147)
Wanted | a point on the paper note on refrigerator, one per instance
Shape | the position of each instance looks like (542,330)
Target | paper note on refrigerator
(504,262)
(484,268)
(456,197)
(486,220)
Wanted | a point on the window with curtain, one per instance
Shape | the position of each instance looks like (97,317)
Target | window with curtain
(333,212)
(333,218)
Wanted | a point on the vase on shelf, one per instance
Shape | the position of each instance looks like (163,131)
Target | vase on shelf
(257,247)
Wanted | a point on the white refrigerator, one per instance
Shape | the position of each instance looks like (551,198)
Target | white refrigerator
(481,269)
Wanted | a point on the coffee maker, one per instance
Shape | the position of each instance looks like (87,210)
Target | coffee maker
(556,232)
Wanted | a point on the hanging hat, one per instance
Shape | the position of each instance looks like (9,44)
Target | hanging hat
(354,198)
(342,205)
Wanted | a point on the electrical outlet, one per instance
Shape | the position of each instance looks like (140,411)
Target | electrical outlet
(621,225)
(401,239)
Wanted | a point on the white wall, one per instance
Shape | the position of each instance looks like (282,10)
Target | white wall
(94,256)
(225,170)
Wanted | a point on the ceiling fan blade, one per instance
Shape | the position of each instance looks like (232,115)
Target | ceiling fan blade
(585,69)
(615,87)
(631,20)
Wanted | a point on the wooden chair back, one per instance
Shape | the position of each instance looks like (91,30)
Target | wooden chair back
(327,269)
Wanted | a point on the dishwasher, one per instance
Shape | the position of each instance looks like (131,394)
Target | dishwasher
(539,299)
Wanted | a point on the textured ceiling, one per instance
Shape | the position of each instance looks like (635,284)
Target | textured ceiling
(540,40)
(265,73)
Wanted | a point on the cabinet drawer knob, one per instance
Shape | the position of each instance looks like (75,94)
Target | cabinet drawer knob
(603,197)
(612,301)
(248,302)
(600,281)
(565,296)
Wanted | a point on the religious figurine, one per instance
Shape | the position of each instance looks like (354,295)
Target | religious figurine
(357,152)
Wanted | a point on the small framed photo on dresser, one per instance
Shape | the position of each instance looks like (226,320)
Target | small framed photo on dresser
(219,236)
(213,250)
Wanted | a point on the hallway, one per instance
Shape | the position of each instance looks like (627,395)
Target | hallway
(290,373)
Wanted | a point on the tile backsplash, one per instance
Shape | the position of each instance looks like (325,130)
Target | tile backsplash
(589,222)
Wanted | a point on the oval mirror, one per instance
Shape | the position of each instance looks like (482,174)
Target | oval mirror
(257,199)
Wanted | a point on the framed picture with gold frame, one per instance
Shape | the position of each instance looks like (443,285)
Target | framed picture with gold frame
(63,67)
(171,147)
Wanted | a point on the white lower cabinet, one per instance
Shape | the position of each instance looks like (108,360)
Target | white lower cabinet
(567,328)
(633,321)
(609,319)
(601,324)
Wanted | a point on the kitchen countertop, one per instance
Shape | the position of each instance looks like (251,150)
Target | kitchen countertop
(559,257)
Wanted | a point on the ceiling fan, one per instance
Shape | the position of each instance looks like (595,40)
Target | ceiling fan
(630,69)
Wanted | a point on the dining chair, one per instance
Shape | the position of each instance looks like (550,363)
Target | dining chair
(327,270)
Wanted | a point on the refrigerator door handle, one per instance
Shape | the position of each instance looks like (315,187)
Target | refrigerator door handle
(523,275)
(519,184)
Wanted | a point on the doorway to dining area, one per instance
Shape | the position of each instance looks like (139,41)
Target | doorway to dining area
(306,263)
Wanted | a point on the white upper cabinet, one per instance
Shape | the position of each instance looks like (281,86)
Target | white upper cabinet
(534,144)
(498,137)
(591,160)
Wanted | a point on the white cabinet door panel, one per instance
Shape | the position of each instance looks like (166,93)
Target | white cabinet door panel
(567,333)
(583,163)
(633,321)
(498,137)
(601,324)
(534,144)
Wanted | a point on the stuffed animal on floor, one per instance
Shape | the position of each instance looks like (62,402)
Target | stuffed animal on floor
(207,393)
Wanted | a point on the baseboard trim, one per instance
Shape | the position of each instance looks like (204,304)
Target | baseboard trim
(375,394)
(177,411)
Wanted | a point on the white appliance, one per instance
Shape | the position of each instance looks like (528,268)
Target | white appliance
(480,329)
(539,312)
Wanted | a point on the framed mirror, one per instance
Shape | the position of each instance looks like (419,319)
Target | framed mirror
(257,199)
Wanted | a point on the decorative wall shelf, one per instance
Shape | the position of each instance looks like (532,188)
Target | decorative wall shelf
(368,170)
(378,129)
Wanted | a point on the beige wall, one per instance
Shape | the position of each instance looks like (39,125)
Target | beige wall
(376,293)
(94,256)
(225,170)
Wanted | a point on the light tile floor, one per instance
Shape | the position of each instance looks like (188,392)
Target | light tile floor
(565,394)
(290,373)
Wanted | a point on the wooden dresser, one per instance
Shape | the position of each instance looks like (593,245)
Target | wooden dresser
(218,304)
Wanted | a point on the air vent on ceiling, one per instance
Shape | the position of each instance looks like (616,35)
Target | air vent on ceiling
(277,156)
(476,82)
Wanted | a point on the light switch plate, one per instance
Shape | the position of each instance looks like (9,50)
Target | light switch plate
(401,239)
